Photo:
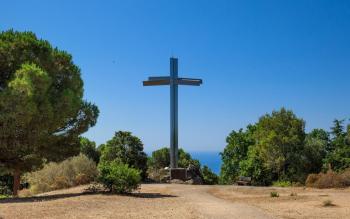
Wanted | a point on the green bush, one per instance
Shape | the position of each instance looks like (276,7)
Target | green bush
(209,178)
(274,194)
(125,148)
(6,182)
(4,196)
(71,172)
(5,185)
(5,190)
(282,184)
(119,177)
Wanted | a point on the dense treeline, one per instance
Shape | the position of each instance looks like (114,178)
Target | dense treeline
(277,148)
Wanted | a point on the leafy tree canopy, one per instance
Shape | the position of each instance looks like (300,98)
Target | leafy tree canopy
(236,151)
(338,157)
(161,159)
(269,150)
(89,149)
(42,112)
(316,144)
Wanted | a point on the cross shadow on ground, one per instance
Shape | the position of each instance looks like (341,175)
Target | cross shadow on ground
(152,195)
(69,195)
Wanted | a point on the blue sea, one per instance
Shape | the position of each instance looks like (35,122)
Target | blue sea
(210,159)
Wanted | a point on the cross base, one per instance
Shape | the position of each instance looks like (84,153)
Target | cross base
(178,173)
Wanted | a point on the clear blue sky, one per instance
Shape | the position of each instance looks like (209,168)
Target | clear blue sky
(254,56)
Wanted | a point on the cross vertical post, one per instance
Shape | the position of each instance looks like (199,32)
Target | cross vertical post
(173,113)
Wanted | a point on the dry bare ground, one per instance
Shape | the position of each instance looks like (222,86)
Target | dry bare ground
(295,202)
(182,201)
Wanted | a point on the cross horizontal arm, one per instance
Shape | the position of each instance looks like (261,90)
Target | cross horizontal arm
(189,81)
(156,82)
(166,81)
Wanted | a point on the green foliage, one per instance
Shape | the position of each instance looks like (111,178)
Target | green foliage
(161,159)
(5,190)
(119,177)
(274,194)
(185,159)
(282,184)
(209,177)
(338,157)
(277,149)
(268,151)
(280,137)
(315,149)
(71,172)
(255,168)
(127,149)
(89,149)
(6,181)
(336,160)
(235,151)
(42,112)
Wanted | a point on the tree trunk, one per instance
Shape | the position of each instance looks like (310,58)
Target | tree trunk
(16,181)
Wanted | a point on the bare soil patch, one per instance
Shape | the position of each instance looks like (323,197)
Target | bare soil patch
(292,202)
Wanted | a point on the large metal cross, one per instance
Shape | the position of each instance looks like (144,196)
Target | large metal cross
(173,81)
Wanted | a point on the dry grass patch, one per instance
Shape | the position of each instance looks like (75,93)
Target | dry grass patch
(330,179)
(74,171)
(293,202)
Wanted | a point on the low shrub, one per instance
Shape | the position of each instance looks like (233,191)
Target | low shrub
(71,172)
(293,194)
(6,183)
(118,177)
(327,203)
(209,177)
(5,190)
(4,196)
(274,194)
(282,184)
(330,179)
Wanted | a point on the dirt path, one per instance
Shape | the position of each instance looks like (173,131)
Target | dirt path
(153,201)
(209,206)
